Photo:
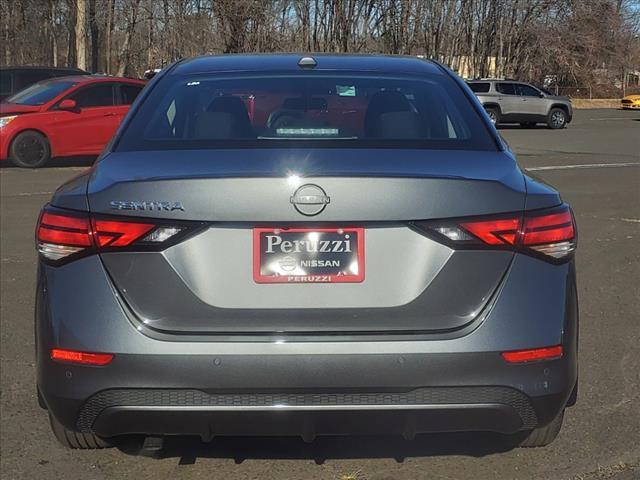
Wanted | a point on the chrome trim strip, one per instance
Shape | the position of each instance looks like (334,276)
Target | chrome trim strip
(271,408)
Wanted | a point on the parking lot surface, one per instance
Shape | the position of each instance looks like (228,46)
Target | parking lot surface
(595,163)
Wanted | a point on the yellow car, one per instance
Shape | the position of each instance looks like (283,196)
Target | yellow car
(630,101)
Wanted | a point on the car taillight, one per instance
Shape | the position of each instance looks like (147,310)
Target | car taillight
(63,234)
(552,234)
(112,233)
(494,232)
(548,233)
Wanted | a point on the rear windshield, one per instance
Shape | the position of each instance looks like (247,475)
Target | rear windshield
(40,93)
(324,110)
(479,87)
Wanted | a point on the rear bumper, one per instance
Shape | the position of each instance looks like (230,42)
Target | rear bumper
(307,394)
(207,388)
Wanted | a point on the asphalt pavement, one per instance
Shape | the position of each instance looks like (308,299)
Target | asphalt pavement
(595,163)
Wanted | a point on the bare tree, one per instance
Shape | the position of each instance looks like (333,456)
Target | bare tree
(95,35)
(53,33)
(71,32)
(81,34)
(125,51)
(110,21)
(6,13)
(575,42)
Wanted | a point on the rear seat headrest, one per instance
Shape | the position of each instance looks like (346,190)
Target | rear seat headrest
(381,103)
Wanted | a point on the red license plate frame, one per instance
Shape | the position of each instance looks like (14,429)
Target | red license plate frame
(260,277)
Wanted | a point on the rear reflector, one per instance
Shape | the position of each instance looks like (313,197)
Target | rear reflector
(81,358)
(521,356)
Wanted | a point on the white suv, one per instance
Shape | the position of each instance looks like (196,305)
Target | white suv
(507,101)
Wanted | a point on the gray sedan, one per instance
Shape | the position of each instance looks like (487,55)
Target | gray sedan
(286,245)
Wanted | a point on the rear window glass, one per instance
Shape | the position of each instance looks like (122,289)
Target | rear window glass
(40,93)
(479,87)
(527,91)
(319,109)
(128,93)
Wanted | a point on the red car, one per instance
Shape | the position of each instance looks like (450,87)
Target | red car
(63,117)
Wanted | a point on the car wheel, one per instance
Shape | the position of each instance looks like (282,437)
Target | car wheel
(30,150)
(543,436)
(528,124)
(77,440)
(494,115)
(557,118)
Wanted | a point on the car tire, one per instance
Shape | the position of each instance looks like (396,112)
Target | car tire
(557,118)
(77,440)
(543,436)
(30,150)
(494,114)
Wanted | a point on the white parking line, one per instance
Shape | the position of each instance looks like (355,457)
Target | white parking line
(609,118)
(29,194)
(584,165)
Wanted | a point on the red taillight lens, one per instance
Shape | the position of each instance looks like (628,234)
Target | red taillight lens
(550,228)
(62,235)
(111,233)
(65,221)
(495,232)
(521,356)
(549,233)
(81,358)
(64,230)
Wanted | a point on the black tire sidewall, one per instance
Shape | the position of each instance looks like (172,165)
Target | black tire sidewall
(77,440)
(21,137)
(543,436)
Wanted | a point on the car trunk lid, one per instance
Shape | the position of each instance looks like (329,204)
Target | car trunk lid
(205,284)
